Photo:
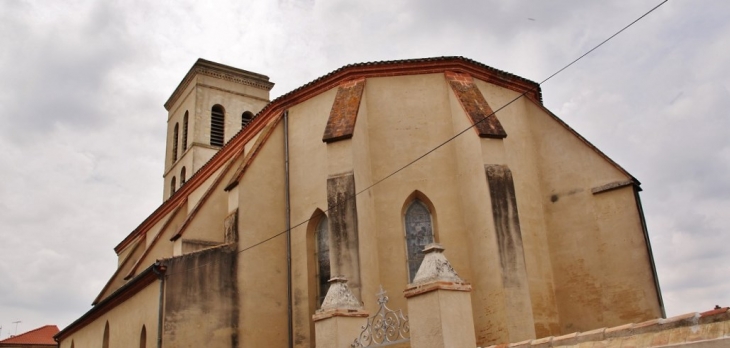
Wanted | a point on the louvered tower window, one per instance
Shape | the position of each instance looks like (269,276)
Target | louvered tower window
(174,142)
(185,132)
(217,125)
(246,118)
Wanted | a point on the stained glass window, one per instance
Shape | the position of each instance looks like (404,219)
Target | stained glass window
(323,259)
(419,233)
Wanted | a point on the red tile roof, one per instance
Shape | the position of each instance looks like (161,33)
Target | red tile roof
(41,335)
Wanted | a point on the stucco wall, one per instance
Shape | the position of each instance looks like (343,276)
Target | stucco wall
(262,269)
(125,323)
(201,295)
(599,257)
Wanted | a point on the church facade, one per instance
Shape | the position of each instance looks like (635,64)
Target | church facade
(352,175)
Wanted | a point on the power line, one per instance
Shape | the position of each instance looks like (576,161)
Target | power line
(462,131)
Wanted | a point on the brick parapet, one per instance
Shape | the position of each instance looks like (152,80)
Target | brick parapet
(677,331)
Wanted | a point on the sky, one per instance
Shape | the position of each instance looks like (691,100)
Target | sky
(82,122)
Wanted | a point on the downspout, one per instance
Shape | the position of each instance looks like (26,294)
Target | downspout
(160,269)
(290,315)
(648,249)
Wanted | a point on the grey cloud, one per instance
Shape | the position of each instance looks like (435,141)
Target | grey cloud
(57,69)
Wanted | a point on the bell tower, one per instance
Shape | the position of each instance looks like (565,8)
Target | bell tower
(211,104)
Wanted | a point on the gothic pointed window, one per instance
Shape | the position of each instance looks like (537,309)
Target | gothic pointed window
(322,257)
(217,125)
(185,132)
(246,118)
(143,337)
(419,233)
(182,176)
(105,339)
(174,142)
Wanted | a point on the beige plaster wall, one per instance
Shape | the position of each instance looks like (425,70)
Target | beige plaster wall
(125,323)
(366,210)
(521,155)
(262,269)
(407,116)
(488,298)
(200,299)
(307,161)
(600,263)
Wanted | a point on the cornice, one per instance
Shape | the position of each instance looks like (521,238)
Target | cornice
(219,71)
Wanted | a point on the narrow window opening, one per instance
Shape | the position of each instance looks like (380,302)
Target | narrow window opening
(246,118)
(105,341)
(143,337)
(182,176)
(174,142)
(323,259)
(172,186)
(419,233)
(185,132)
(217,125)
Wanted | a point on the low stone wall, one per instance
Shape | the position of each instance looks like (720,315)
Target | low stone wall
(697,330)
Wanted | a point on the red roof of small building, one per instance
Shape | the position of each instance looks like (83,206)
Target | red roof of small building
(41,335)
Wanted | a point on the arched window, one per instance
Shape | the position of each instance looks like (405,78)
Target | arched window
(185,131)
(105,341)
(217,125)
(172,186)
(419,233)
(322,257)
(174,143)
(143,337)
(246,118)
(72,343)
(182,176)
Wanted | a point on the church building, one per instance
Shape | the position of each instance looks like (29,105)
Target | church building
(349,177)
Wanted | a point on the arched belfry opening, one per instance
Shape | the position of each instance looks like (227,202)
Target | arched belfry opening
(185,132)
(419,225)
(246,118)
(175,133)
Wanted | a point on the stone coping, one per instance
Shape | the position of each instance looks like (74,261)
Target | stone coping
(415,290)
(685,328)
(340,312)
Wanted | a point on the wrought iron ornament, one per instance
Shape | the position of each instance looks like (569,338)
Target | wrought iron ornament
(385,327)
